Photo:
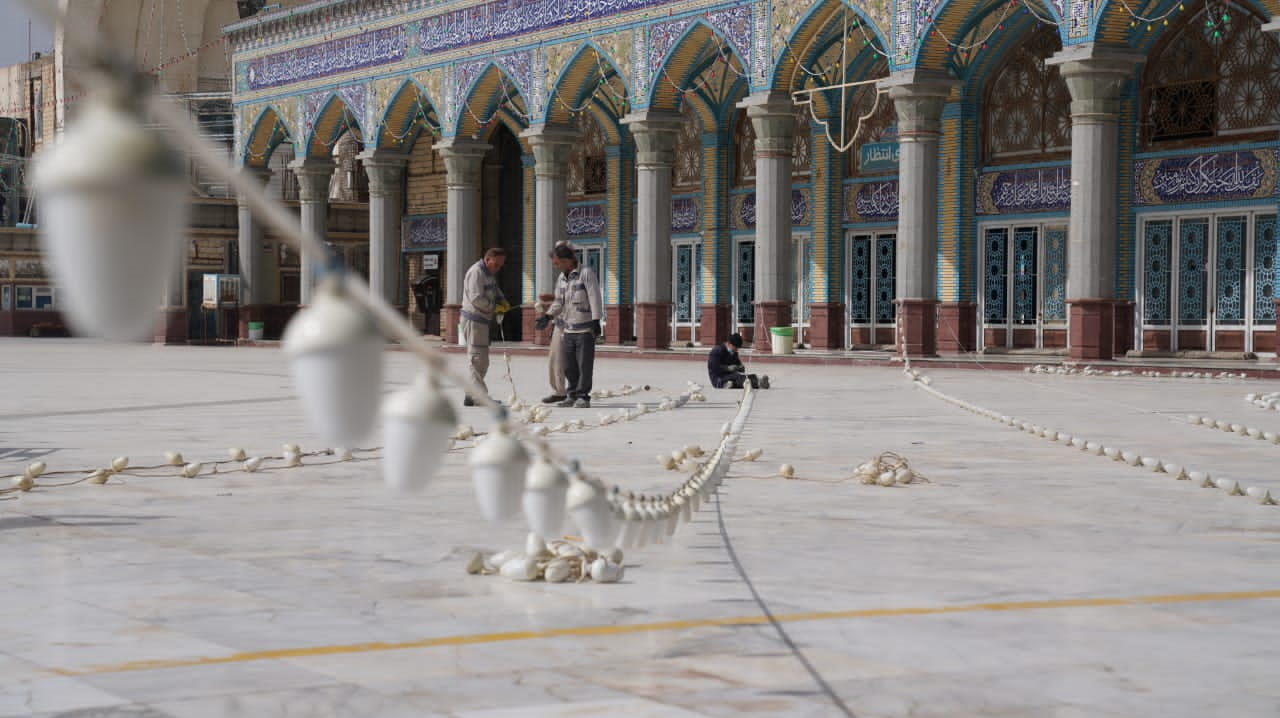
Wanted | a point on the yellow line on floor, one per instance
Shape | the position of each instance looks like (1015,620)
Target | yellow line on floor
(621,629)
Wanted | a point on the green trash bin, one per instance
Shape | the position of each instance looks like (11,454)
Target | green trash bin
(783,340)
(256,330)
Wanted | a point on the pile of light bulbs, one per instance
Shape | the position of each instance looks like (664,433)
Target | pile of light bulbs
(888,469)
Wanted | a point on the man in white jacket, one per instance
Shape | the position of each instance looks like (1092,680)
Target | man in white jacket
(482,300)
(580,306)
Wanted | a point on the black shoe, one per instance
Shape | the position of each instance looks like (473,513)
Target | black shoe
(582,403)
(554,398)
(568,402)
(764,382)
(468,401)
(755,383)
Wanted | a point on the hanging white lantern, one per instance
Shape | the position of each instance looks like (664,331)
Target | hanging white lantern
(416,427)
(335,354)
(114,207)
(498,465)
(589,506)
(545,489)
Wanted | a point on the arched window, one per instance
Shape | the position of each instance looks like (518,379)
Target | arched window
(588,165)
(1215,73)
(881,119)
(1027,109)
(687,173)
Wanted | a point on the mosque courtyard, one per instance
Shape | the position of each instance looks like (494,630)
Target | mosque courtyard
(1025,573)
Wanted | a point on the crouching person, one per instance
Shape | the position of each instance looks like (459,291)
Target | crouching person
(725,369)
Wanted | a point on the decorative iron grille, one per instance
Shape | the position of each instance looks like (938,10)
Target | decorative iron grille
(688,170)
(744,143)
(588,164)
(1214,73)
(1027,112)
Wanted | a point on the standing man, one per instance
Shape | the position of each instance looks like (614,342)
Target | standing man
(555,355)
(481,301)
(579,305)
(724,366)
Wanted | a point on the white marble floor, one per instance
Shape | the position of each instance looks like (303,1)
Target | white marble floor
(1026,580)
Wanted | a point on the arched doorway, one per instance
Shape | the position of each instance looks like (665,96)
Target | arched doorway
(502,220)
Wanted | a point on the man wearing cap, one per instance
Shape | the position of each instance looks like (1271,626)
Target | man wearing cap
(724,367)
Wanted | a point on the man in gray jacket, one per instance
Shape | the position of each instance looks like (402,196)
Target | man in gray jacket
(481,301)
(580,306)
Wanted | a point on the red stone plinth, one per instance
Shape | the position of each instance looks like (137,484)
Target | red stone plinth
(620,327)
(1092,327)
(653,325)
(172,326)
(826,326)
(449,318)
(768,315)
(957,326)
(919,327)
(716,323)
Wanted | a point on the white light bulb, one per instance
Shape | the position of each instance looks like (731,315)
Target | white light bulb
(498,466)
(416,426)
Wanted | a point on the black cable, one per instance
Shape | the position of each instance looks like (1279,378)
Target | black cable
(782,632)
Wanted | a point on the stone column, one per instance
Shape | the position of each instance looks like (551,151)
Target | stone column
(253,279)
(774,121)
(313,176)
(462,161)
(1095,76)
(386,177)
(918,98)
(717,244)
(551,147)
(655,136)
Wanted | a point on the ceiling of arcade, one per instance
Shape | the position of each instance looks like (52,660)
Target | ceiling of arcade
(463,71)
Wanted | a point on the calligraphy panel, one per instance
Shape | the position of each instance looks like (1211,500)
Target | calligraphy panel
(1039,189)
(1210,177)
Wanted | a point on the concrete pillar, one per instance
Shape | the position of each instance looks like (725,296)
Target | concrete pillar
(773,119)
(551,147)
(313,176)
(253,279)
(386,177)
(463,159)
(655,136)
(918,98)
(1095,76)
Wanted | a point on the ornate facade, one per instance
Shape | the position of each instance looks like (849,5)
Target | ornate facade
(1084,176)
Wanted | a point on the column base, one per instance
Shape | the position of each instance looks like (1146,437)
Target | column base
(918,328)
(769,314)
(1092,329)
(653,325)
(172,326)
(716,324)
(450,316)
(620,325)
(957,326)
(826,326)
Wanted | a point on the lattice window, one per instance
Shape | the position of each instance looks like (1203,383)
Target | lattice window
(801,150)
(1215,73)
(1027,113)
(687,173)
(875,128)
(588,164)
(744,155)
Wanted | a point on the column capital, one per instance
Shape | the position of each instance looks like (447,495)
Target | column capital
(462,160)
(773,118)
(918,98)
(1095,75)
(551,145)
(384,170)
(259,176)
(655,134)
(313,176)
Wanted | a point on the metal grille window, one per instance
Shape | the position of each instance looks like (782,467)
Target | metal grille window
(1028,106)
(745,283)
(588,165)
(687,173)
(1213,74)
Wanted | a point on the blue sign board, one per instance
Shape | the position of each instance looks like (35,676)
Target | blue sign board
(878,157)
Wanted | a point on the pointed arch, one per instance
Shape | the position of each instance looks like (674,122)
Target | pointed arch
(589,73)
(493,96)
(952,20)
(987,38)
(699,47)
(822,29)
(267,132)
(409,112)
(328,125)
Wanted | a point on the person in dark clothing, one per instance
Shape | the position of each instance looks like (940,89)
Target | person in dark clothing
(725,369)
